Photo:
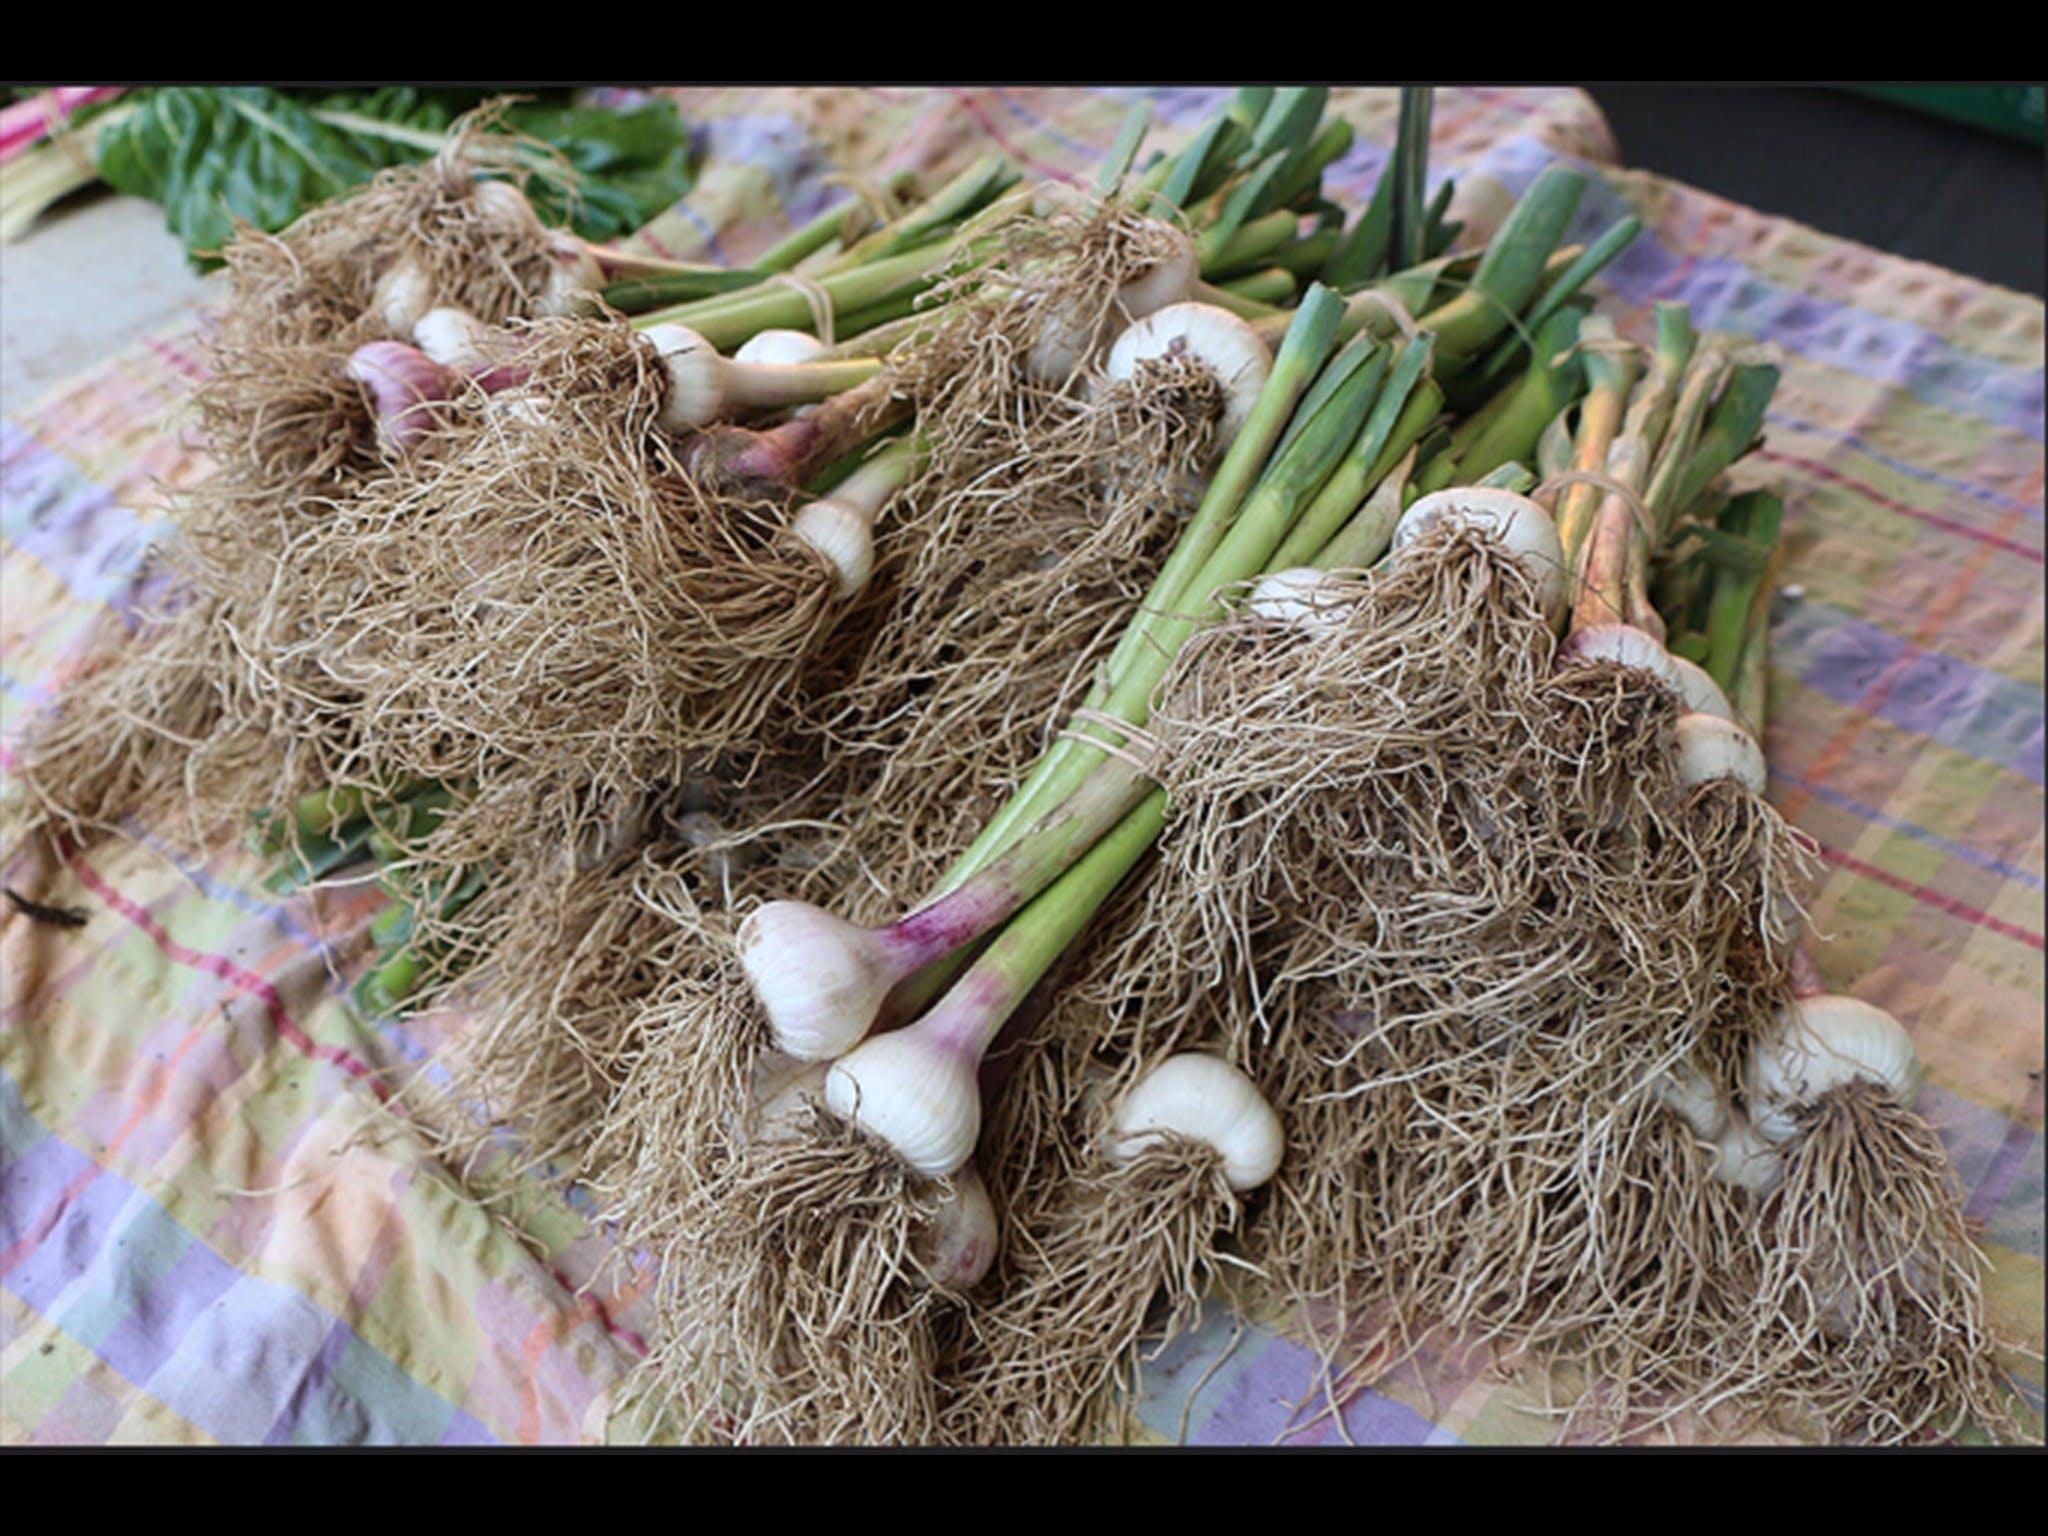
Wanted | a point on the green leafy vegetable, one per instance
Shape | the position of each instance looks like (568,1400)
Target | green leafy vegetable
(212,156)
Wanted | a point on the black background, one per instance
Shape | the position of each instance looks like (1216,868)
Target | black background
(1891,178)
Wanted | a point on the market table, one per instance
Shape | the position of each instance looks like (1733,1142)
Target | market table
(214,1227)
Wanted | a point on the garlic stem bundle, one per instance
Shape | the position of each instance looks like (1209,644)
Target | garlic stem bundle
(917,1089)
(822,981)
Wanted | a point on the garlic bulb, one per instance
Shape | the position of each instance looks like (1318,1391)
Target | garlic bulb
(503,204)
(522,408)
(403,385)
(1691,1095)
(1710,748)
(914,1090)
(1701,693)
(844,535)
(1205,1099)
(1210,335)
(1523,526)
(1624,646)
(403,295)
(1167,281)
(1822,1043)
(820,979)
(779,346)
(573,280)
(1745,1159)
(1303,598)
(1066,337)
(696,376)
(956,1247)
(453,337)
(704,387)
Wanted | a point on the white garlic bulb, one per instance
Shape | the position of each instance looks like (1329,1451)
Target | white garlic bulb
(1624,645)
(402,297)
(1745,1159)
(574,278)
(1822,1043)
(453,337)
(1710,748)
(780,346)
(1701,693)
(819,978)
(955,1248)
(914,1091)
(1690,1094)
(1067,337)
(1205,1099)
(1303,598)
(1211,335)
(844,535)
(1523,526)
(503,204)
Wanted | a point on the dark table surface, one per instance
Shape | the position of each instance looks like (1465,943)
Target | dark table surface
(1919,186)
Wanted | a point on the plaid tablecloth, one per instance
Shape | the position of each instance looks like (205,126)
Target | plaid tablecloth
(212,1229)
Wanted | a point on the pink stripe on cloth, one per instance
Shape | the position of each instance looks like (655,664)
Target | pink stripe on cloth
(243,981)
(1921,514)
(1932,898)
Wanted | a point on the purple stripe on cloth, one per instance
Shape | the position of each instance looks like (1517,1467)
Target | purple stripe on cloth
(464,1430)
(697,221)
(1282,1387)
(240,1362)
(1871,813)
(2031,510)
(233,1354)
(1370,1419)
(1184,106)
(1725,295)
(56,1209)
(160,1314)
(1999,1178)
(76,529)
(1039,125)
(1980,1141)
(1992,718)
(779,144)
